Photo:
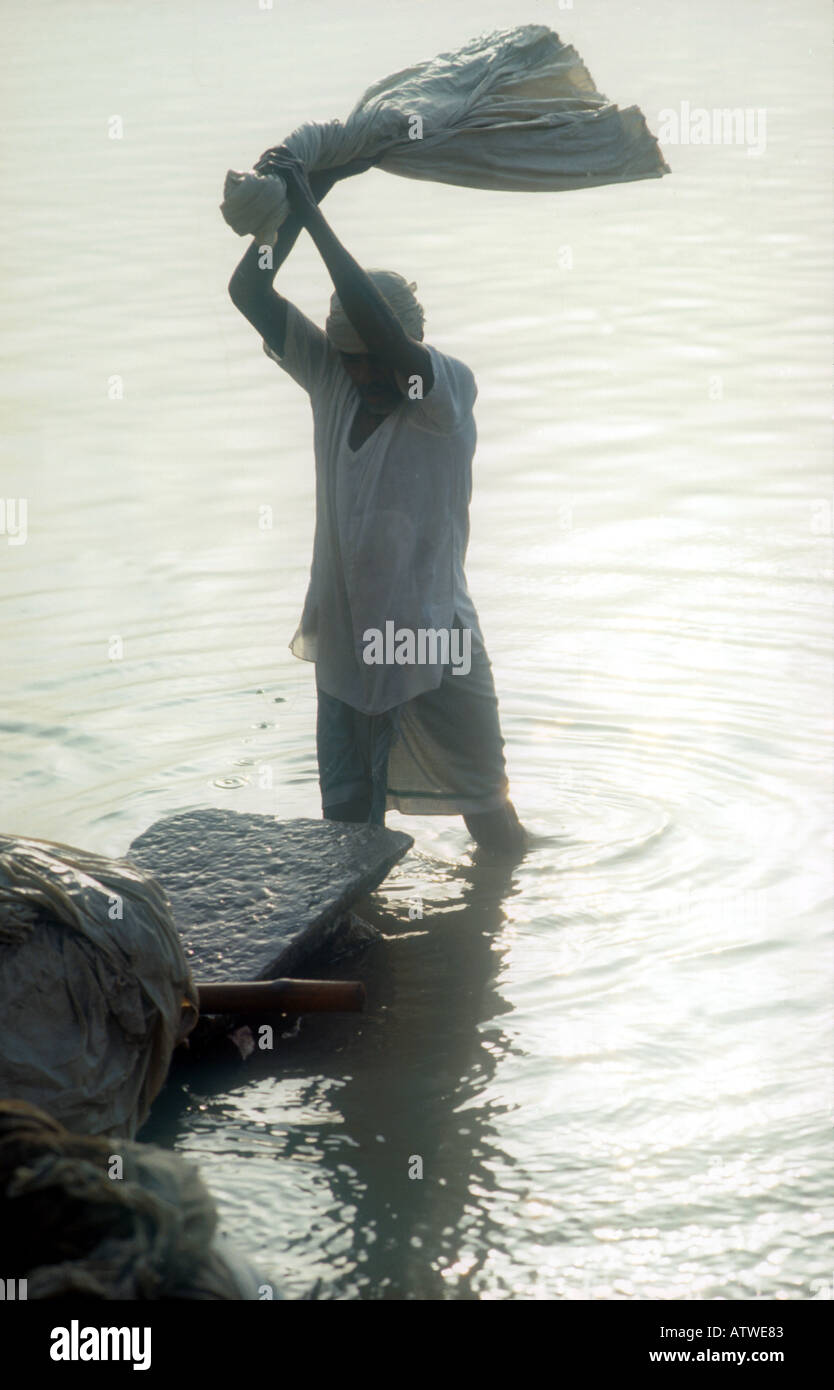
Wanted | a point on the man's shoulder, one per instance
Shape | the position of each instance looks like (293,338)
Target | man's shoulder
(449,361)
(446,407)
(454,380)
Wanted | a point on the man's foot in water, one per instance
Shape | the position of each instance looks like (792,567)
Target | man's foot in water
(500,832)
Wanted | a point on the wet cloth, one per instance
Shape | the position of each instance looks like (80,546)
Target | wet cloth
(448,758)
(439,754)
(392,522)
(95,990)
(516,109)
(73,1226)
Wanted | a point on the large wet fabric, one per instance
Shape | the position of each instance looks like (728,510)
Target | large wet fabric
(95,990)
(515,110)
(74,1227)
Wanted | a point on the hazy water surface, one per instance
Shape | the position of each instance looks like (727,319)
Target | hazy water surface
(614,1060)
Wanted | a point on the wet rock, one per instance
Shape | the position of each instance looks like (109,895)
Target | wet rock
(258,898)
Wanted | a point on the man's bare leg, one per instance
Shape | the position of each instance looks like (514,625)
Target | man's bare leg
(500,831)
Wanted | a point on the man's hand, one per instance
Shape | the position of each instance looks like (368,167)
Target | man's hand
(279,163)
(305,190)
(275,153)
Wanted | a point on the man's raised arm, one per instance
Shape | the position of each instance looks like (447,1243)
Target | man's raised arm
(371,317)
(251,286)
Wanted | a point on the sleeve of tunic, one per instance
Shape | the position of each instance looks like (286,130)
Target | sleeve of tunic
(308,356)
(448,405)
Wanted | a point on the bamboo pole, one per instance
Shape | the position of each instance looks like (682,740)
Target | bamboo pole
(282,996)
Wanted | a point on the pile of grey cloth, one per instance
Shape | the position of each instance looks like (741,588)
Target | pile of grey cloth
(74,1224)
(515,109)
(95,993)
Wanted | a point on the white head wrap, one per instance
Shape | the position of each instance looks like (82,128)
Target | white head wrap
(398,294)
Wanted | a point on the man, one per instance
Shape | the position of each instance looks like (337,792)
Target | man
(407,713)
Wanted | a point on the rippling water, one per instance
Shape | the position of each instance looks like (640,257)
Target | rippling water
(613,1060)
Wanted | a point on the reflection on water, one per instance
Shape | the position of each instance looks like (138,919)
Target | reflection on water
(611,1060)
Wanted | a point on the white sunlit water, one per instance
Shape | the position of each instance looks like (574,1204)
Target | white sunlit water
(613,1059)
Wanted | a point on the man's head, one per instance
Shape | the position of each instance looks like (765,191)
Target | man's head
(373,378)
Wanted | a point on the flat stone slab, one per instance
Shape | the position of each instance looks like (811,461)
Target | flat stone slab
(256,898)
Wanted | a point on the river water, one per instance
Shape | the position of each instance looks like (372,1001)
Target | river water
(613,1060)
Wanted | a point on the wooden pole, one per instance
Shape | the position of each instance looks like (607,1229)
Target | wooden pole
(282,996)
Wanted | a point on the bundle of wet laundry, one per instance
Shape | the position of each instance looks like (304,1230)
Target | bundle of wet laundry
(99,1218)
(515,109)
(95,990)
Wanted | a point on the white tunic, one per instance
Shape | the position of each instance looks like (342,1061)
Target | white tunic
(392,522)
